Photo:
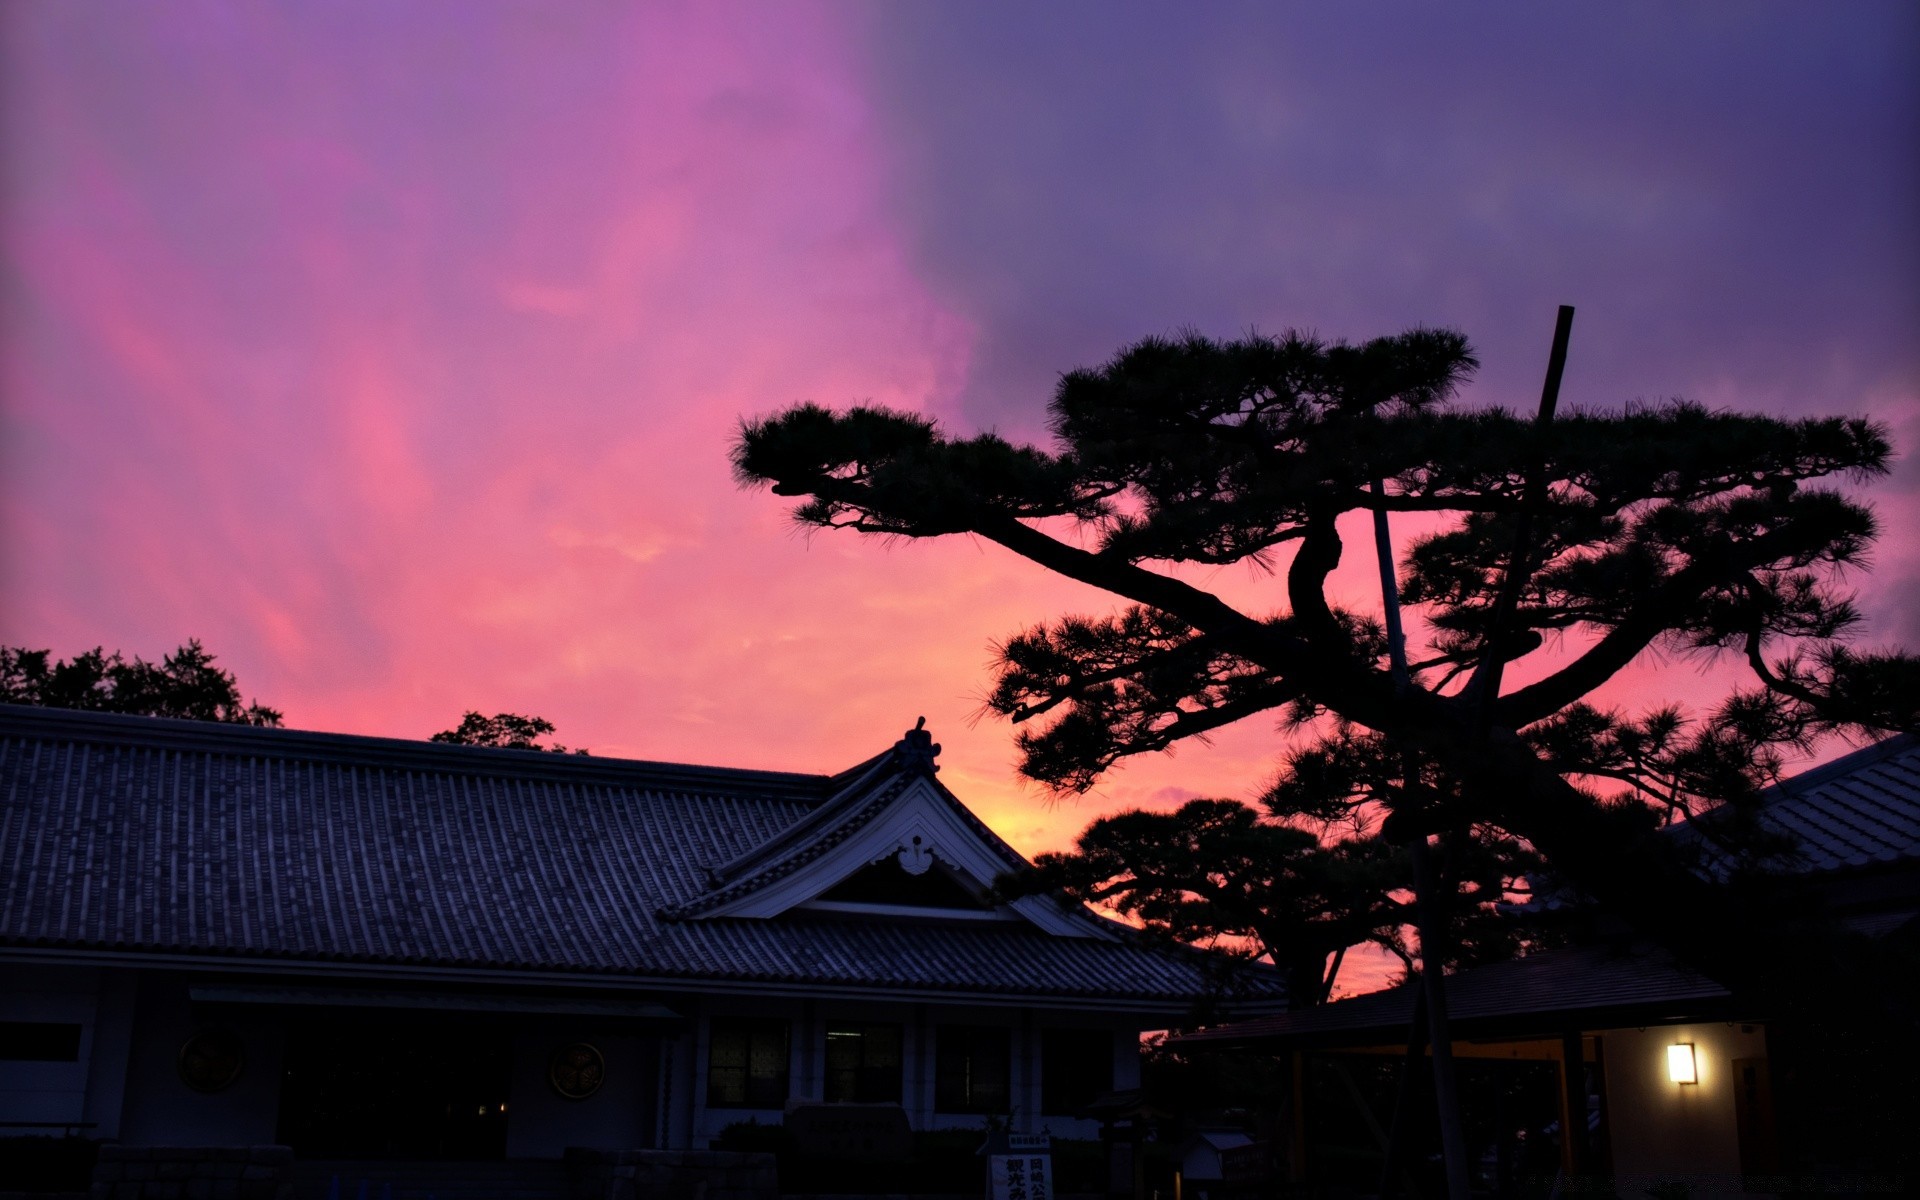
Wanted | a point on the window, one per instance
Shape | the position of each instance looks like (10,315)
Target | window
(39,1041)
(1076,1065)
(746,1063)
(863,1063)
(971,1070)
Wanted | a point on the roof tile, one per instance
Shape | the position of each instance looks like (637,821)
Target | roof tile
(171,837)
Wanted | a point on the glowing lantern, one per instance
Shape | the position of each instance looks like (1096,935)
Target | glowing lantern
(1680,1067)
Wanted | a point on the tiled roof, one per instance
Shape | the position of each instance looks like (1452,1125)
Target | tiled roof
(1551,990)
(1858,809)
(172,837)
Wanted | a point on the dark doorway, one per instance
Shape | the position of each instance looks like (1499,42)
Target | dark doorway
(396,1085)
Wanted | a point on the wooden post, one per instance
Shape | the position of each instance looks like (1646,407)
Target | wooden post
(1574,1159)
(1484,685)
(1446,1092)
(1297,1126)
(1400,1133)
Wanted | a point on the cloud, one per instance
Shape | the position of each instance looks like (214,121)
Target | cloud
(399,359)
(1727,194)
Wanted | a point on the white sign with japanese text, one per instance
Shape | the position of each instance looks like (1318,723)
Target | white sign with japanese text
(1019,1177)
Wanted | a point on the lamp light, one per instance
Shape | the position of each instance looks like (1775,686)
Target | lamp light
(1680,1068)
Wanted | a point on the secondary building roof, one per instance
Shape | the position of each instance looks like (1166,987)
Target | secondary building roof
(1589,987)
(1860,809)
(230,844)
(1857,813)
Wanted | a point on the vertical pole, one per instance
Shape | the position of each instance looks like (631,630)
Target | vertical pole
(1446,1092)
(1297,1125)
(1484,686)
(1399,1132)
(1573,1105)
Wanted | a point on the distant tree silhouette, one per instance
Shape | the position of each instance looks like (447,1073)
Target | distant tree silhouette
(183,684)
(503,731)
(1570,547)
(1223,874)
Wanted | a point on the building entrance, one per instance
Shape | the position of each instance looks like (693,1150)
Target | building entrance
(396,1085)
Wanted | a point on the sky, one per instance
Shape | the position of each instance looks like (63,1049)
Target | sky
(394,350)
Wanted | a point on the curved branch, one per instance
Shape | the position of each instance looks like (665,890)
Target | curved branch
(1639,629)
(1358,692)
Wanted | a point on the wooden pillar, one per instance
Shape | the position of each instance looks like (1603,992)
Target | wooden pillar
(1024,1073)
(1297,1124)
(806,1038)
(1574,1159)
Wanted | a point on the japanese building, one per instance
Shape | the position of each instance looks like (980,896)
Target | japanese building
(1667,1077)
(360,947)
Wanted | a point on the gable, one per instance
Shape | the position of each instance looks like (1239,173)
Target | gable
(892,881)
(904,819)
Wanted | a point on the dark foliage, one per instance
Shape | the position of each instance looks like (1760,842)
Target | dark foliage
(1222,874)
(502,731)
(184,684)
(1661,529)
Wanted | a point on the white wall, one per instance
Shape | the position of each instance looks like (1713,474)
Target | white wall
(110,1051)
(48,1091)
(161,1110)
(541,1123)
(1665,1128)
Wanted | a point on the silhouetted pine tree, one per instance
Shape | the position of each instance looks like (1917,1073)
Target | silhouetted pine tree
(1654,529)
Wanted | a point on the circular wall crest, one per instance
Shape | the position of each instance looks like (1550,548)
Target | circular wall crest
(577,1071)
(211,1060)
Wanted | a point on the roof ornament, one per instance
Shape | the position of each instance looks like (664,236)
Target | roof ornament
(917,748)
(916,856)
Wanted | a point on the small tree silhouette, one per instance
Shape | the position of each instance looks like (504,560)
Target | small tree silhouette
(502,731)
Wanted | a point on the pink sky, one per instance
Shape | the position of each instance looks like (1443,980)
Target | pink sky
(394,351)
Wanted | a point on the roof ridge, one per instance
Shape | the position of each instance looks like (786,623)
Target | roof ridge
(1847,764)
(845,803)
(171,733)
(789,853)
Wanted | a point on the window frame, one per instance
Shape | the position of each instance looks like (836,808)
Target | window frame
(750,1028)
(867,1071)
(964,1048)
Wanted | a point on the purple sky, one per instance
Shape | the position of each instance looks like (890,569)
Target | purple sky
(394,349)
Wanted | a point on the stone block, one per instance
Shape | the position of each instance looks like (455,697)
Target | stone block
(260,1171)
(164,1189)
(199,1189)
(271,1154)
(226,1189)
(175,1168)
